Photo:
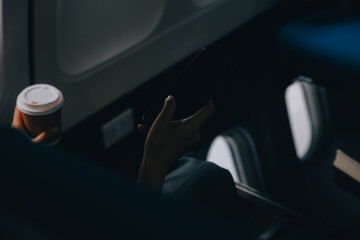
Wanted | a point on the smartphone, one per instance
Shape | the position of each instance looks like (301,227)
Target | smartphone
(196,84)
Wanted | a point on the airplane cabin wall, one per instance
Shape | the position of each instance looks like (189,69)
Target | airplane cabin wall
(14,55)
(95,52)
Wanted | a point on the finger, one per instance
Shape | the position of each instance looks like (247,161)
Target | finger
(47,136)
(168,110)
(143,128)
(203,114)
(17,120)
(177,122)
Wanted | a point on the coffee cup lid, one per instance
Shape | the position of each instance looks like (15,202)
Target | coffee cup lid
(39,99)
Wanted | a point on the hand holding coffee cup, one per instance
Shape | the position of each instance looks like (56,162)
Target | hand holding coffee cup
(39,113)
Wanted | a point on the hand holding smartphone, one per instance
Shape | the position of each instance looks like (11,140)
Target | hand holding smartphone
(196,84)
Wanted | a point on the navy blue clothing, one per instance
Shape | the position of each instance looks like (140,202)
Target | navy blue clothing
(47,194)
(205,185)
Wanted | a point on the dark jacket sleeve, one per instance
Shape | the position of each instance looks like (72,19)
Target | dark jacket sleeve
(50,195)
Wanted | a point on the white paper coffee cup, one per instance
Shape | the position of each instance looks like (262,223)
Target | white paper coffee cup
(40,106)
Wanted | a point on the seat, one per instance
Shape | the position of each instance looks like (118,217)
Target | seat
(325,47)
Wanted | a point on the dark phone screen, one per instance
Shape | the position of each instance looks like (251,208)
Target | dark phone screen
(196,84)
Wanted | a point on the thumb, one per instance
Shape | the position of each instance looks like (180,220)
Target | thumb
(47,136)
(168,110)
(203,114)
